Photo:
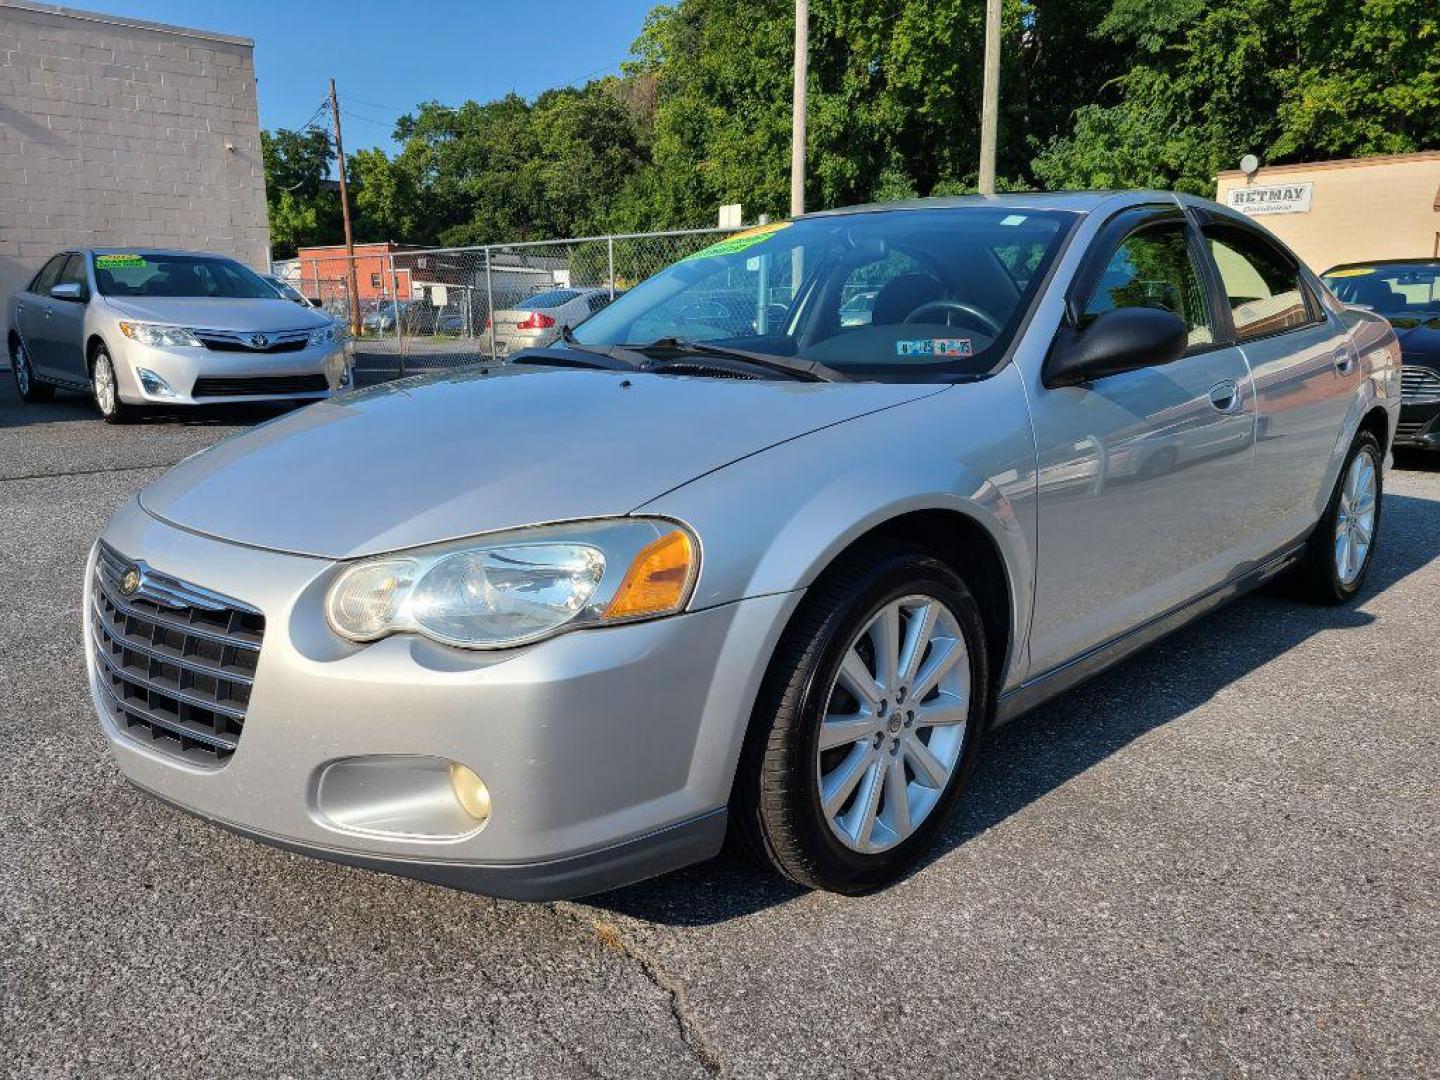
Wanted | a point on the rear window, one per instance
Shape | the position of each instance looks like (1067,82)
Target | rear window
(551,299)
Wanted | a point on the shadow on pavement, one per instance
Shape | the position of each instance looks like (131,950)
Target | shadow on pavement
(1063,738)
(68,407)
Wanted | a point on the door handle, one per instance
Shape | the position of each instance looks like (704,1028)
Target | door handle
(1225,396)
(1344,361)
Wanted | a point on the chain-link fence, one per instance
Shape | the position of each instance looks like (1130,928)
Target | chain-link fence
(421,309)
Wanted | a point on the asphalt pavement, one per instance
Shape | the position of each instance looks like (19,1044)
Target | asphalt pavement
(1221,858)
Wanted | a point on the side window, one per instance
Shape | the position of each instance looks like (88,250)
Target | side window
(1155,267)
(48,275)
(74,274)
(1261,286)
(597,301)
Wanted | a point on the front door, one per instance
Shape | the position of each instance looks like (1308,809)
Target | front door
(65,327)
(1142,476)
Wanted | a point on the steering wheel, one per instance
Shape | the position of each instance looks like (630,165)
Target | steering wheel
(984,318)
(703,309)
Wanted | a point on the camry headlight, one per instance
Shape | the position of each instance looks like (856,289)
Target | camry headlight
(158,335)
(325,335)
(520,586)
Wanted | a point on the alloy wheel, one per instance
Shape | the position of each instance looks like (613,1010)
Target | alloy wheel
(894,724)
(104,380)
(1355,522)
(22,370)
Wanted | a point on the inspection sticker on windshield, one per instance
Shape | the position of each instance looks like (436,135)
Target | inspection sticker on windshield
(739,242)
(934,347)
(1013,219)
(103,261)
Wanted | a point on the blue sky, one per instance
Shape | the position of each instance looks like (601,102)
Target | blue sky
(387,57)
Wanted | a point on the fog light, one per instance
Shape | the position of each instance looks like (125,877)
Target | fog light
(470,791)
(154,385)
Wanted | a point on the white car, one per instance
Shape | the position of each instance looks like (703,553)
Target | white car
(537,320)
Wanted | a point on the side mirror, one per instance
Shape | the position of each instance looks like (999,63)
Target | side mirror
(1124,339)
(70,290)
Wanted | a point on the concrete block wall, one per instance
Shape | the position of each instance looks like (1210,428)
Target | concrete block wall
(115,132)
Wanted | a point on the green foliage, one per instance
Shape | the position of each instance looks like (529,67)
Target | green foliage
(1094,93)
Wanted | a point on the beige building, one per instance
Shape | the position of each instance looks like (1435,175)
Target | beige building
(115,131)
(1333,212)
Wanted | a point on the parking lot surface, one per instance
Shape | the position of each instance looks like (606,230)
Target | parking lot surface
(1221,858)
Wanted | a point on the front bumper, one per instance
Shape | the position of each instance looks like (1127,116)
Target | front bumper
(608,753)
(182,367)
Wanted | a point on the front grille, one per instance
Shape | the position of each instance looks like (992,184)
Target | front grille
(256,385)
(1419,386)
(175,662)
(278,341)
(236,346)
(1408,428)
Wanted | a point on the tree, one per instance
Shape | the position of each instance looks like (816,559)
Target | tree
(302,209)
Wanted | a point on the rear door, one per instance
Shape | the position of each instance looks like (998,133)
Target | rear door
(33,314)
(1305,371)
(1143,474)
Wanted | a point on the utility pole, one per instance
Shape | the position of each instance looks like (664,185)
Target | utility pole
(797,121)
(990,97)
(354,299)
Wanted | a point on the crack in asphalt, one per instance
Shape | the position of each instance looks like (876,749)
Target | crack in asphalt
(691,1033)
(90,472)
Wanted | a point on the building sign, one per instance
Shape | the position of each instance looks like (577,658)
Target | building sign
(1274,199)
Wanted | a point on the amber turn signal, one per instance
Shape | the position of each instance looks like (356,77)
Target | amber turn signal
(659,579)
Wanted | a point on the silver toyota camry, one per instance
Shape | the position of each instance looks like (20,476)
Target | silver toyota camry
(135,327)
(723,559)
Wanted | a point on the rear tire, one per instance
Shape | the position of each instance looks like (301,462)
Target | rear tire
(106,390)
(1342,547)
(27,385)
(852,808)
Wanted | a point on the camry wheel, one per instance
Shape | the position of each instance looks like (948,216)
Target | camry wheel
(106,391)
(1343,544)
(29,388)
(868,722)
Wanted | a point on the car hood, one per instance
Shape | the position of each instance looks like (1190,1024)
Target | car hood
(218,313)
(425,460)
(1419,341)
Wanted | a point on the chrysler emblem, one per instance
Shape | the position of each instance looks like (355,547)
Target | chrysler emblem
(130,583)
(258,341)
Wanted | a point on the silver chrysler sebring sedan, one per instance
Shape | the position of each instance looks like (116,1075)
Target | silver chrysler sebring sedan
(137,327)
(722,559)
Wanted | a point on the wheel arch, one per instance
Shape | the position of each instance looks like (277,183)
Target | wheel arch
(93,343)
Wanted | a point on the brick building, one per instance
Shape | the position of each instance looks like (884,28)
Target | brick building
(117,131)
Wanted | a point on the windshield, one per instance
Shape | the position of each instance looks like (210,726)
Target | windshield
(151,274)
(1400,290)
(887,294)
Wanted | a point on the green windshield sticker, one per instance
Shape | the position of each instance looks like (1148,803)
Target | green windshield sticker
(1354,271)
(104,261)
(739,242)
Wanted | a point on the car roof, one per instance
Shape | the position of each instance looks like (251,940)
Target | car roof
(1073,201)
(152,251)
(1424,260)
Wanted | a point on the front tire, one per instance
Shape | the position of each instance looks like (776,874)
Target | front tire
(1341,548)
(867,723)
(26,385)
(106,390)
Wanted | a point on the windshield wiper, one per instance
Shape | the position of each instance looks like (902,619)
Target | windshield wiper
(804,369)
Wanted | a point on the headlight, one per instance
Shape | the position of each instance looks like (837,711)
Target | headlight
(158,335)
(520,586)
(324,336)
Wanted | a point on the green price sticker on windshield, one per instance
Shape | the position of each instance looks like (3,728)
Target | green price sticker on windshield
(739,242)
(104,262)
